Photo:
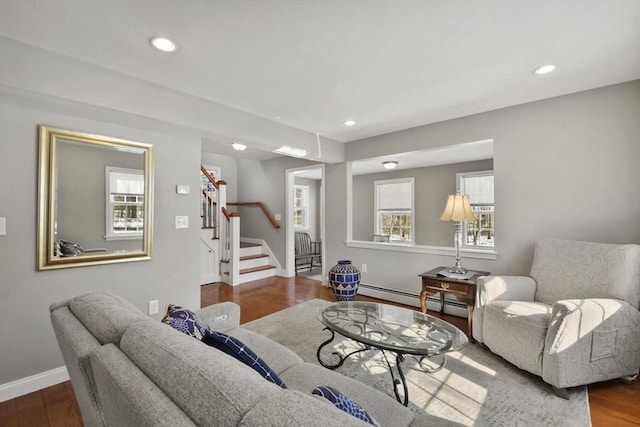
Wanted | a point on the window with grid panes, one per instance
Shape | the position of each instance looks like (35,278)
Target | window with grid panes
(301,207)
(479,187)
(394,209)
(125,203)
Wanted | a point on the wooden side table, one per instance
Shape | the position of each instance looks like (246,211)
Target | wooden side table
(463,289)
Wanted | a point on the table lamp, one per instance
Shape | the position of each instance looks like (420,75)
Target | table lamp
(458,209)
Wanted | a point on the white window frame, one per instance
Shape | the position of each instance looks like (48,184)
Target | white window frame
(304,209)
(111,234)
(377,223)
(460,187)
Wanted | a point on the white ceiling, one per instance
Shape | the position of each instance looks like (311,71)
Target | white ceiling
(389,65)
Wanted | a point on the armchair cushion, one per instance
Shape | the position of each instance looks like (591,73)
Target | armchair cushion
(518,325)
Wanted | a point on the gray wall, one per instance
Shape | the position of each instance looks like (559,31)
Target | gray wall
(431,187)
(565,167)
(27,341)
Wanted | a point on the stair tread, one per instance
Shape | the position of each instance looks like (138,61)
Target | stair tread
(254,269)
(248,257)
(249,245)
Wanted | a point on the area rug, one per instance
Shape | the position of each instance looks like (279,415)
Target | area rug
(475,388)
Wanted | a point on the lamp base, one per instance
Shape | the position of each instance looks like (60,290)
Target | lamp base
(458,270)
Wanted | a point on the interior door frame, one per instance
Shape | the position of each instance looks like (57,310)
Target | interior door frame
(290,242)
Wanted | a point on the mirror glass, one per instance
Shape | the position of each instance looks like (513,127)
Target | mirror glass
(412,216)
(95,199)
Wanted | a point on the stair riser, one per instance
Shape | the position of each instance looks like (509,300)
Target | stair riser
(251,250)
(257,275)
(251,263)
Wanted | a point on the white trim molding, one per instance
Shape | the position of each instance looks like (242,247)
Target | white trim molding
(422,249)
(36,382)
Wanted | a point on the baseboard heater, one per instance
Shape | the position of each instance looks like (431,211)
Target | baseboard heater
(447,302)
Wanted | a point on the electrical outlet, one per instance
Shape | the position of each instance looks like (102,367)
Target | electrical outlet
(364,268)
(182,222)
(154,306)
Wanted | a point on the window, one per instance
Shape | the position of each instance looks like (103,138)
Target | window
(479,187)
(301,207)
(125,203)
(394,209)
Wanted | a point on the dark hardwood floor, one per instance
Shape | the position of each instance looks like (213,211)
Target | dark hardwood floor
(612,403)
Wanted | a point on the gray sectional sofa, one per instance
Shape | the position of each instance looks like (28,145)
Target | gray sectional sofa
(130,370)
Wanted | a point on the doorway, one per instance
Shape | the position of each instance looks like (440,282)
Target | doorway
(305,222)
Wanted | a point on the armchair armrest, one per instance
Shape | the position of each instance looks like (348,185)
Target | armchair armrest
(221,317)
(499,288)
(591,340)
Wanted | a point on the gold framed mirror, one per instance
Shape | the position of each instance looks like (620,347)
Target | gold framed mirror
(95,199)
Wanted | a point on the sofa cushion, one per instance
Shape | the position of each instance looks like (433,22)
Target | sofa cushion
(189,323)
(516,330)
(279,357)
(383,408)
(106,315)
(343,403)
(237,349)
(208,385)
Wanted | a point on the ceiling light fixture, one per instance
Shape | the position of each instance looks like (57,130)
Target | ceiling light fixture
(391,164)
(544,69)
(163,44)
(291,151)
(238,147)
(349,122)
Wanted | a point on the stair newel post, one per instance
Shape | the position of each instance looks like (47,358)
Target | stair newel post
(234,249)
(219,221)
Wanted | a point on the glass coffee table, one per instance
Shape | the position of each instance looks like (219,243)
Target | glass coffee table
(392,329)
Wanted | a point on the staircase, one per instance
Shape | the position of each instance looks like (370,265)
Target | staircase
(240,262)
(253,264)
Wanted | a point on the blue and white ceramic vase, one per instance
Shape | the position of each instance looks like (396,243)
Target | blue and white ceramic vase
(345,280)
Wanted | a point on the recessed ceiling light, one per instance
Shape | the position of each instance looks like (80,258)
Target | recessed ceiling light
(349,122)
(544,69)
(163,44)
(391,164)
(238,147)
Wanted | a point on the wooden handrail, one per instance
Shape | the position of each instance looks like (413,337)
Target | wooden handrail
(262,206)
(209,177)
(229,215)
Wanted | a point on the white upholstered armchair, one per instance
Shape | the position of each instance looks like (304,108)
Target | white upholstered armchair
(575,320)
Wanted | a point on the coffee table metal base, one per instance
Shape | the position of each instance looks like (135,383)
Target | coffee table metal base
(400,380)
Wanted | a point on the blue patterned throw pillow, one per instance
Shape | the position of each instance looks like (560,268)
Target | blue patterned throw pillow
(237,349)
(186,321)
(343,403)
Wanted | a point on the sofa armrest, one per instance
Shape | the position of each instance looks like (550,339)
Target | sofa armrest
(591,340)
(499,288)
(221,317)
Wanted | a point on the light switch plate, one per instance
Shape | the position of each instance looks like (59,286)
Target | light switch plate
(3,226)
(183,189)
(182,221)
(278,217)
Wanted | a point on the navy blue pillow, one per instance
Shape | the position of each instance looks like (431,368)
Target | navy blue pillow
(236,348)
(187,322)
(343,403)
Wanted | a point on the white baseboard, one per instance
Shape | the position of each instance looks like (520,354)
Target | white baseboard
(33,383)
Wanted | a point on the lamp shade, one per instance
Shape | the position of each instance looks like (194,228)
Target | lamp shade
(458,208)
